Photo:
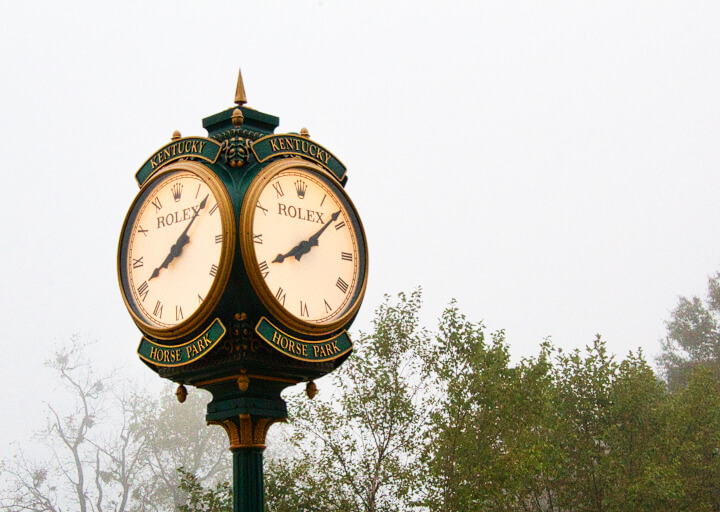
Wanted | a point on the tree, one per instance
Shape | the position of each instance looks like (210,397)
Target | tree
(444,422)
(357,450)
(469,383)
(104,446)
(693,337)
(201,499)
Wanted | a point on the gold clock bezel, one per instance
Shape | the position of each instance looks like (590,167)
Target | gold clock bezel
(247,248)
(227,252)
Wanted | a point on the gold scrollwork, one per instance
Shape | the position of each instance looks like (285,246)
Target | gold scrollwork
(246,430)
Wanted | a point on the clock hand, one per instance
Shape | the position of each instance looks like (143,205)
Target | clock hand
(182,241)
(313,240)
(305,246)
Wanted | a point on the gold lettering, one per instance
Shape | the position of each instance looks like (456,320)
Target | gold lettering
(304,349)
(316,349)
(194,146)
(327,156)
(291,346)
(289,144)
(166,153)
(273,144)
(188,349)
(201,145)
(312,153)
(281,143)
(276,338)
(154,353)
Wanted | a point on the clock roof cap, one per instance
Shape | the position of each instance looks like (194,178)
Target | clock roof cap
(253,120)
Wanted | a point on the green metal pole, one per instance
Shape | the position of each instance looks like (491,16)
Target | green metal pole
(248,491)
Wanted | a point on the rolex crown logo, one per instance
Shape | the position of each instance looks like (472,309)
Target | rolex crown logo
(177,191)
(300,187)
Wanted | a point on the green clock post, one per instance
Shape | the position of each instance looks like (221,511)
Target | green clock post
(243,262)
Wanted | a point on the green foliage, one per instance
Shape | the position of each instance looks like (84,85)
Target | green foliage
(693,337)
(357,449)
(200,499)
(431,420)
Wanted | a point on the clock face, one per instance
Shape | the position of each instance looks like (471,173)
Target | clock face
(175,249)
(304,247)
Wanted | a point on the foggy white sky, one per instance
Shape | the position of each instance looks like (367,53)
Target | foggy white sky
(552,165)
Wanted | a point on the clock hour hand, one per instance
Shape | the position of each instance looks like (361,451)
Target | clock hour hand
(182,241)
(175,251)
(305,246)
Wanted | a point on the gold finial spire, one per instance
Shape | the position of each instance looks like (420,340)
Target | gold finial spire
(240,98)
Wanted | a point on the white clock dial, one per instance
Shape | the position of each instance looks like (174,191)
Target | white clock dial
(173,248)
(308,247)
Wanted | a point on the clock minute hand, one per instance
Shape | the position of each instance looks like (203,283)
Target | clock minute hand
(187,228)
(181,242)
(313,240)
(305,246)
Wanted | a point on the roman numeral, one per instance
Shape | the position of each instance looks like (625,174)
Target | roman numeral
(327,306)
(143,231)
(218,239)
(157,204)
(339,226)
(200,299)
(323,200)
(280,296)
(342,285)
(264,269)
(213,209)
(158,309)
(143,290)
(257,239)
(178,313)
(346,256)
(198,190)
(137,263)
(304,309)
(213,270)
(278,189)
(264,210)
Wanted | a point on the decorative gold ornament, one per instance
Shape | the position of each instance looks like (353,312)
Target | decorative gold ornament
(311,390)
(240,97)
(304,132)
(181,393)
(243,382)
(237,118)
(245,430)
(176,135)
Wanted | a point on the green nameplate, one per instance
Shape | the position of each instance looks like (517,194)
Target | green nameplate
(274,145)
(304,350)
(189,147)
(179,355)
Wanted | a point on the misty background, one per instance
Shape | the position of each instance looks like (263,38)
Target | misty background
(552,166)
